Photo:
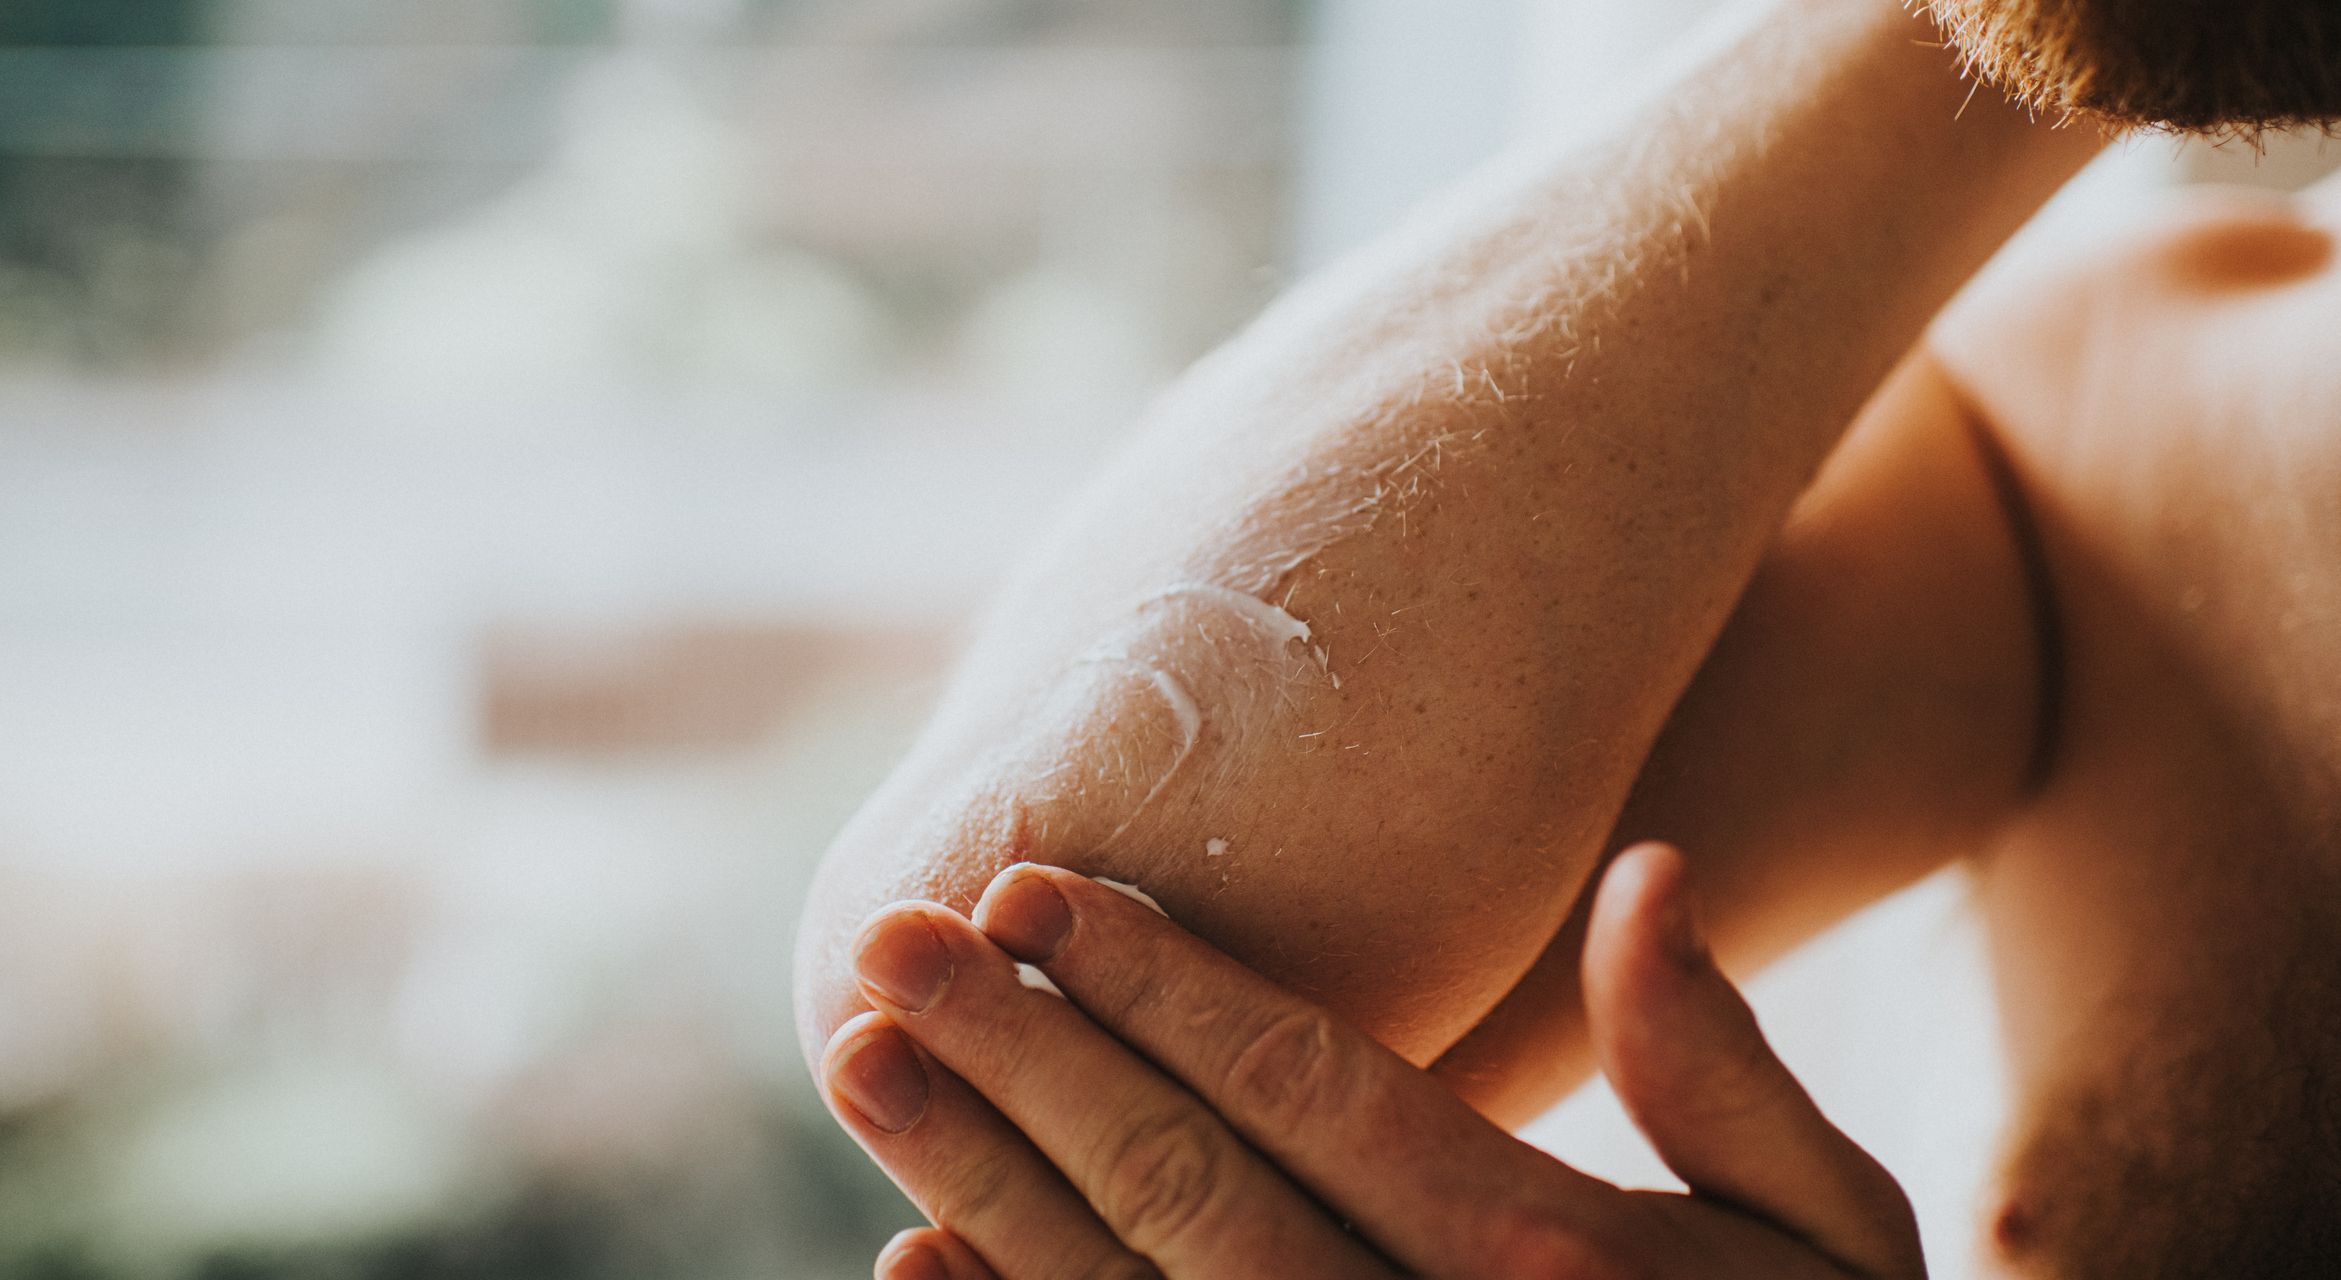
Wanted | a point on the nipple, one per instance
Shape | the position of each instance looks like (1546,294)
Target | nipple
(2254,249)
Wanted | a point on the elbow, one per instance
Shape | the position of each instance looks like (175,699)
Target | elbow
(896,848)
(845,891)
(822,985)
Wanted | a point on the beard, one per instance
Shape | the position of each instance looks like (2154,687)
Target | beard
(2197,66)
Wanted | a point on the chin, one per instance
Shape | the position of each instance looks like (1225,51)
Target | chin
(2191,66)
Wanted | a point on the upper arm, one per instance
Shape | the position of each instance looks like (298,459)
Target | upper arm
(1354,664)
(1868,714)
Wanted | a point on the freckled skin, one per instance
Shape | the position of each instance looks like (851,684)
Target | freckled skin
(1866,717)
(1512,469)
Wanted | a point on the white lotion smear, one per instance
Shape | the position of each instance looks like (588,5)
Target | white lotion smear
(1204,672)
(1134,894)
(1182,705)
(1156,711)
(1037,980)
(1183,711)
(1265,618)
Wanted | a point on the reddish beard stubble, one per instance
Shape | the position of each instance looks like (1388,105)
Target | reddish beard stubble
(2201,66)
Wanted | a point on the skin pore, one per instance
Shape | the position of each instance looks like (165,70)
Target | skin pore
(1511,471)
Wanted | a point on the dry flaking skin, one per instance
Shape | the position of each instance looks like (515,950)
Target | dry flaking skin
(1506,476)
(1200,668)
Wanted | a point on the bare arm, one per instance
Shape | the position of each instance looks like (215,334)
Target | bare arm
(1354,660)
(1872,711)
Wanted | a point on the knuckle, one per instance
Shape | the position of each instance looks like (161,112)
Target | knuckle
(1733,1093)
(974,1187)
(1527,1242)
(1746,1079)
(1292,1072)
(1124,1007)
(1162,1179)
(1733,1096)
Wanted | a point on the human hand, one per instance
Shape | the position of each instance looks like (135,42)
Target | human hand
(1181,1116)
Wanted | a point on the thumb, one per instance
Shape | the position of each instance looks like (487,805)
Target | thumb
(1684,1054)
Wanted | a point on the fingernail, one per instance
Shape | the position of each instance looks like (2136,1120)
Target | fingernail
(916,1262)
(881,1078)
(903,958)
(1026,915)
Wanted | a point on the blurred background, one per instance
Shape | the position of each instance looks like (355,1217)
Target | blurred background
(486,485)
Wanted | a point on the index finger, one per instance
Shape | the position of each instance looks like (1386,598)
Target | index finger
(1377,1139)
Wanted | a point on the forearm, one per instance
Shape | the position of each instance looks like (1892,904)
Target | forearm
(1398,588)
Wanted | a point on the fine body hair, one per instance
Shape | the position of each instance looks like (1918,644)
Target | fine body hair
(2225,67)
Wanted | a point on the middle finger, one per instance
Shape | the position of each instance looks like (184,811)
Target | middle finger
(1166,1175)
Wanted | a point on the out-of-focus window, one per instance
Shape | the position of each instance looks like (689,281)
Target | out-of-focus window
(485,486)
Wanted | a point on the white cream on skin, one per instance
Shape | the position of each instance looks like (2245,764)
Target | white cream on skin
(1213,659)
(1038,981)
(1134,894)
(1033,978)
(1271,622)
(1184,713)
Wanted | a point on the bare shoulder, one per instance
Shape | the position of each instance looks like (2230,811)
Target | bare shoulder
(2210,270)
(2184,244)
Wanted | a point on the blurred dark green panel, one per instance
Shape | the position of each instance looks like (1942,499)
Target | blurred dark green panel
(101,22)
(92,255)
